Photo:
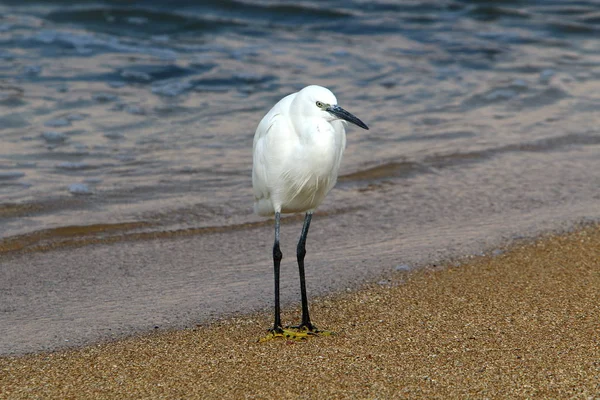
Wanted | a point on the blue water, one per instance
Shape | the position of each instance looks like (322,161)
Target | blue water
(121,119)
(113,112)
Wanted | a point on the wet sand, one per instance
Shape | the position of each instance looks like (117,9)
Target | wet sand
(525,323)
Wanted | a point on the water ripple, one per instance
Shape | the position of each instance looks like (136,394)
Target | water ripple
(158,102)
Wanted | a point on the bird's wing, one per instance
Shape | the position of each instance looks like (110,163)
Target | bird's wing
(267,152)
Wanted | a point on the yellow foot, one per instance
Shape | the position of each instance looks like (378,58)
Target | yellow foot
(294,333)
(288,334)
(310,330)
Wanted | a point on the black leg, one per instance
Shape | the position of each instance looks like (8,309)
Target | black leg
(277,256)
(300,253)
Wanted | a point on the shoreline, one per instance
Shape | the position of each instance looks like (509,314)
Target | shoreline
(520,323)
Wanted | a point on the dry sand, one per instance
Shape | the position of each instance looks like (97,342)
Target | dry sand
(523,324)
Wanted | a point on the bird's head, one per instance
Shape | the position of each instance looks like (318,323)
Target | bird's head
(320,102)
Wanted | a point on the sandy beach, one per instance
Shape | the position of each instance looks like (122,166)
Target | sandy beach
(521,324)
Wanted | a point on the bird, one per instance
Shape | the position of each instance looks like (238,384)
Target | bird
(297,152)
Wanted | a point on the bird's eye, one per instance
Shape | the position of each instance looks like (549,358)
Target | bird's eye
(319,104)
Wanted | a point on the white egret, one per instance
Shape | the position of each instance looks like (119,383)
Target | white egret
(298,148)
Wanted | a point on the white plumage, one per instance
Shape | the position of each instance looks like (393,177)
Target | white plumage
(298,149)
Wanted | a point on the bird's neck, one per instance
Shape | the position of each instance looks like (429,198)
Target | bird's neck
(322,146)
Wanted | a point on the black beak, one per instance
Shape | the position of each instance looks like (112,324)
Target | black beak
(345,115)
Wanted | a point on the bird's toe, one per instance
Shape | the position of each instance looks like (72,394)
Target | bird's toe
(309,330)
(297,333)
